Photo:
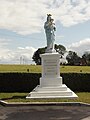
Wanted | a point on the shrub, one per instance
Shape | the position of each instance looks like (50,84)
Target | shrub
(26,82)
(79,82)
(18,82)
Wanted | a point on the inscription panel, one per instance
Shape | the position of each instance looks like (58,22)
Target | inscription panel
(50,67)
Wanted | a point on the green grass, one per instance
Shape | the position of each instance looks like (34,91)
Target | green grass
(21,97)
(38,69)
(20,68)
(75,69)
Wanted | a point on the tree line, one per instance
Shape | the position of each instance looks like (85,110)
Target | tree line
(72,57)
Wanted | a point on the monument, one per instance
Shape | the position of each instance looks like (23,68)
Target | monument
(51,85)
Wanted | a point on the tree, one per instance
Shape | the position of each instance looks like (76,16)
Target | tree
(60,49)
(36,56)
(86,57)
(73,58)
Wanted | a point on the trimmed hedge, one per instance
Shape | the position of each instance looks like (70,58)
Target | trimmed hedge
(79,82)
(26,82)
(18,82)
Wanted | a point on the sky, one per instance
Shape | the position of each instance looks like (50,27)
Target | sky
(22,27)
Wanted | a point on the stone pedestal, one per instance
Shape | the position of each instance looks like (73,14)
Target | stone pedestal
(51,85)
(50,70)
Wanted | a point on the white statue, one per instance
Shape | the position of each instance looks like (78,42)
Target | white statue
(50,28)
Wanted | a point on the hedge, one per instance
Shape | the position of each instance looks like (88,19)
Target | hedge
(79,82)
(26,82)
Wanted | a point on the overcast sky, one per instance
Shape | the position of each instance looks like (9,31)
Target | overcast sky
(22,32)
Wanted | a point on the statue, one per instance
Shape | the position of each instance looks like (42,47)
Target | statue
(50,28)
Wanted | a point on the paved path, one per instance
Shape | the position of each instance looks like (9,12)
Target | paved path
(45,113)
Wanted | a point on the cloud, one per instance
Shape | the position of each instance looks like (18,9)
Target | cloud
(4,42)
(8,55)
(26,52)
(73,12)
(27,16)
(20,16)
(81,46)
(59,36)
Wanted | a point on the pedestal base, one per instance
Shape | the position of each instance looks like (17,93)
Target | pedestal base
(46,82)
(52,92)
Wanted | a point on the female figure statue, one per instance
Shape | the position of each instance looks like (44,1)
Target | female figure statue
(50,28)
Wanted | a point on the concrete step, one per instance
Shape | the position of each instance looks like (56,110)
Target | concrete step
(44,94)
(58,88)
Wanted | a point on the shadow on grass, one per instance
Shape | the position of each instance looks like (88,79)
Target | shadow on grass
(14,97)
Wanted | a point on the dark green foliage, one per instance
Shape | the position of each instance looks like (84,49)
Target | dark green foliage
(60,49)
(18,82)
(36,57)
(86,57)
(73,58)
(26,82)
(79,82)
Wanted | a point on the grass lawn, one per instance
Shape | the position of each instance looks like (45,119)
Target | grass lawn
(75,69)
(20,68)
(37,68)
(21,97)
